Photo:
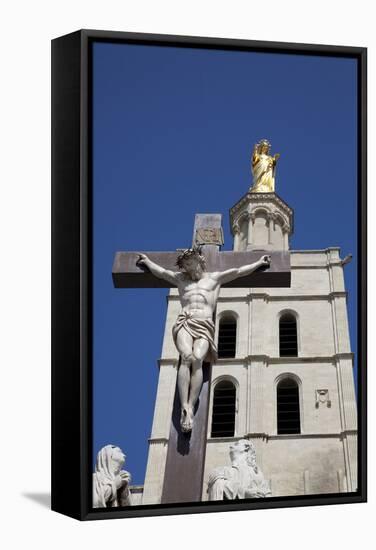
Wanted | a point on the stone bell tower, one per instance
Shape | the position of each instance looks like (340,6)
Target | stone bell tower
(288,377)
(284,374)
(261,221)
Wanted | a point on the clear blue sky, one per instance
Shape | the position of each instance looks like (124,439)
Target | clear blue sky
(173,129)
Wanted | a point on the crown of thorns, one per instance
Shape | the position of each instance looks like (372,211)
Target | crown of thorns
(188,254)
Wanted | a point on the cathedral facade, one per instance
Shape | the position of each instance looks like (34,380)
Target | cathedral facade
(284,374)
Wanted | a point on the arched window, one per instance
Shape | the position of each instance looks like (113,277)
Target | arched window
(227,337)
(288,339)
(288,408)
(224,409)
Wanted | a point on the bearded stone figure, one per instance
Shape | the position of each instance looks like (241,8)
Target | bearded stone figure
(263,168)
(243,479)
(110,482)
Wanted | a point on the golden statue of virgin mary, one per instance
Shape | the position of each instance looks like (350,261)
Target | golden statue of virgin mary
(263,168)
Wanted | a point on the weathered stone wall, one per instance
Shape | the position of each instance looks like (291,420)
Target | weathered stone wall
(323,457)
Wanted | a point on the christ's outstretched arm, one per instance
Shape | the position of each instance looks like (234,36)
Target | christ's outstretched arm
(231,274)
(157,270)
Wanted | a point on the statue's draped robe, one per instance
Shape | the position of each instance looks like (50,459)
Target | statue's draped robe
(237,481)
(105,493)
(197,328)
(263,174)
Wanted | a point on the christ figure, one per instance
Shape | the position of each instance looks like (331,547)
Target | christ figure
(194,329)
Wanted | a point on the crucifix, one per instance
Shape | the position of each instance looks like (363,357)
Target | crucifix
(198,273)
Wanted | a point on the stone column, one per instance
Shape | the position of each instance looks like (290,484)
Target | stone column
(307,482)
(236,231)
(347,400)
(270,218)
(256,402)
(350,446)
(251,219)
(160,432)
(155,471)
(257,302)
(341,480)
(348,412)
(340,320)
(285,231)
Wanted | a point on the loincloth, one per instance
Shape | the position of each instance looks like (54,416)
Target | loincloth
(197,328)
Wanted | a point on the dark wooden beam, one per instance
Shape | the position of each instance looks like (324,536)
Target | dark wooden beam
(184,472)
(126,274)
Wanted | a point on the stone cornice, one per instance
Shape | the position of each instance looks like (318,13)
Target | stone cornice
(240,209)
(238,299)
(256,435)
(294,297)
(156,440)
(311,266)
(225,439)
(279,298)
(244,361)
(315,250)
(257,296)
(344,355)
(272,437)
(311,435)
(276,298)
(261,197)
(270,360)
(167,362)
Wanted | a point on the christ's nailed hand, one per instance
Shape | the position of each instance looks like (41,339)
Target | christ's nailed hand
(265,260)
(142,259)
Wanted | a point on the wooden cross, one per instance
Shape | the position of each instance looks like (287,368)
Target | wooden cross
(186,452)
(127,274)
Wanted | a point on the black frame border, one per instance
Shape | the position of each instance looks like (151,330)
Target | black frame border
(72,276)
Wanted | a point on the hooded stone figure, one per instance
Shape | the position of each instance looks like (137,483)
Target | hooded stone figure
(110,482)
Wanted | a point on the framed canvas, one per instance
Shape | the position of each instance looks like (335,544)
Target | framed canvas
(208,274)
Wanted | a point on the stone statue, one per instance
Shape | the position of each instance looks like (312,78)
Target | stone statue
(263,168)
(194,329)
(110,482)
(243,479)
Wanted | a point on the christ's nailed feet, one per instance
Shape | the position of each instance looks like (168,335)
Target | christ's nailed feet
(186,419)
